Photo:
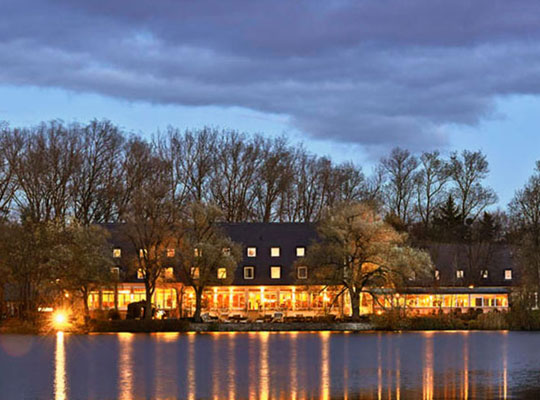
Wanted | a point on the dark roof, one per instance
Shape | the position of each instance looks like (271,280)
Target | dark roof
(473,260)
(447,257)
(263,236)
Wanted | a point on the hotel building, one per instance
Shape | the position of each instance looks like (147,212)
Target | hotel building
(270,279)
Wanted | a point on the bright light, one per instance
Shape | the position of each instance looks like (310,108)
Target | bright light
(59,319)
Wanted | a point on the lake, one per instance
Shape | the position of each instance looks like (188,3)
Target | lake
(271,365)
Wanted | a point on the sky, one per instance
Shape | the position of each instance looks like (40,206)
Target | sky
(348,79)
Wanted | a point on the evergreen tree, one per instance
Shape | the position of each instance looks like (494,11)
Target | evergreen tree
(447,224)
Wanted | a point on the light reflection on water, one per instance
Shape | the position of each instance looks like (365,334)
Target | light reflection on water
(295,365)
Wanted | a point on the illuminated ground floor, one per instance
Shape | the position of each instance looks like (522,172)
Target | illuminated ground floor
(252,302)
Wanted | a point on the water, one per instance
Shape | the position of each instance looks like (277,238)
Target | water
(271,365)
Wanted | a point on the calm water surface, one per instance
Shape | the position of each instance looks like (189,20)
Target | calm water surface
(271,365)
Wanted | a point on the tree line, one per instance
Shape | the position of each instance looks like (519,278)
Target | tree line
(56,177)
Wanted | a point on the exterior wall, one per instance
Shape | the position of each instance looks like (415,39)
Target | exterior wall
(288,301)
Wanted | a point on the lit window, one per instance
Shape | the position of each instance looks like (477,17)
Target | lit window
(460,274)
(171,253)
(197,252)
(195,273)
(300,252)
(249,272)
(222,273)
(140,274)
(412,277)
(437,274)
(252,252)
(117,252)
(227,251)
(115,271)
(274,252)
(143,253)
(484,274)
(275,272)
(507,274)
(169,273)
(301,273)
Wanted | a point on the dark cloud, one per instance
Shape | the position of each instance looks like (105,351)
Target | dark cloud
(378,73)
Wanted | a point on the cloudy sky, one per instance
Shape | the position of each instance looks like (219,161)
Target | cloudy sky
(350,79)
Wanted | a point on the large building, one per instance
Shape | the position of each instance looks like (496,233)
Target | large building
(270,279)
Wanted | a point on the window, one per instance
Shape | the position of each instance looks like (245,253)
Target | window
(171,253)
(227,251)
(301,272)
(117,252)
(195,273)
(143,253)
(252,252)
(169,273)
(507,274)
(274,251)
(485,274)
(275,272)
(437,274)
(460,274)
(197,252)
(249,272)
(300,252)
(222,273)
(115,271)
(140,274)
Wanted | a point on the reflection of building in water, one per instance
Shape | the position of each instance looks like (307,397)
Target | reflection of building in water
(125,366)
(270,280)
(427,373)
(325,365)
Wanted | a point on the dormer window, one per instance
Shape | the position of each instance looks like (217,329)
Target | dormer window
(460,274)
(275,272)
(222,273)
(507,274)
(274,252)
(251,252)
(249,272)
(117,252)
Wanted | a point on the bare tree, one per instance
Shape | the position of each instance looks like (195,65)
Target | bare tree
(151,217)
(95,187)
(400,169)
(43,161)
(467,171)
(236,167)
(206,255)
(359,251)
(431,181)
(274,176)
(525,214)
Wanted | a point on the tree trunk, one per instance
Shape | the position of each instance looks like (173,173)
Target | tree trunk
(85,302)
(355,304)
(198,305)
(148,304)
